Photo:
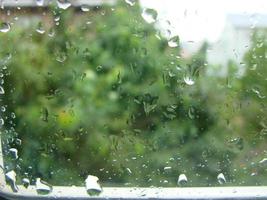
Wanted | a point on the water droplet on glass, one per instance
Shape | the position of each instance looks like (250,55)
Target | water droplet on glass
(26,182)
(257,92)
(63,4)
(11,179)
(4,27)
(2,91)
(39,2)
(92,185)
(57,18)
(42,187)
(238,142)
(188,80)
(18,141)
(51,32)
(40,28)
(61,57)
(3,108)
(85,8)
(253,67)
(13,116)
(130,2)
(253,174)
(221,179)
(45,115)
(191,113)
(99,68)
(182,180)
(129,170)
(263,161)
(149,15)
(260,44)
(149,108)
(167,168)
(14,152)
(2,122)
(171,74)
(174,41)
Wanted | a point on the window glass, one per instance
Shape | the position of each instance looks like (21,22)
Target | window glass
(133,93)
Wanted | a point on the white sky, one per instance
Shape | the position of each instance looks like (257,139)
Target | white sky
(195,20)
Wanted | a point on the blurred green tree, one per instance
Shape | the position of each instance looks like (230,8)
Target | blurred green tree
(101,93)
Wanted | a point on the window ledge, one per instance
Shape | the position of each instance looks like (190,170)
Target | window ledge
(222,193)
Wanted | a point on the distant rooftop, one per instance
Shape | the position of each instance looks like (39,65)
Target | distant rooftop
(32,3)
(248,21)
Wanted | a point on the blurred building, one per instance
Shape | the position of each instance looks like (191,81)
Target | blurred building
(235,40)
(34,3)
(28,13)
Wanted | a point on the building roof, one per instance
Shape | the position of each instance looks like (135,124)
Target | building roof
(248,21)
(32,3)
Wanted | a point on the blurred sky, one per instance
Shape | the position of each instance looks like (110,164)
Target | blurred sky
(195,20)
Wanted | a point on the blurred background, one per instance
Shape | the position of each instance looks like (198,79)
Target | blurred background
(134,92)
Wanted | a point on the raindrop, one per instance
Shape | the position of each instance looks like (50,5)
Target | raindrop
(253,174)
(4,27)
(149,15)
(188,80)
(3,108)
(51,32)
(42,187)
(99,68)
(263,161)
(182,180)
(238,142)
(129,170)
(174,41)
(85,8)
(11,179)
(167,168)
(92,185)
(61,57)
(39,2)
(2,91)
(26,182)
(14,152)
(257,92)
(63,4)
(221,179)
(2,122)
(130,2)
(40,28)
(57,18)
(171,74)
(254,67)
(191,113)
(165,181)
(18,141)
(13,116)
(260,44)
(149,108)
(44,115)
(178,68)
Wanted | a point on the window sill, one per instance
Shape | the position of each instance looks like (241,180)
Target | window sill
(202,193)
